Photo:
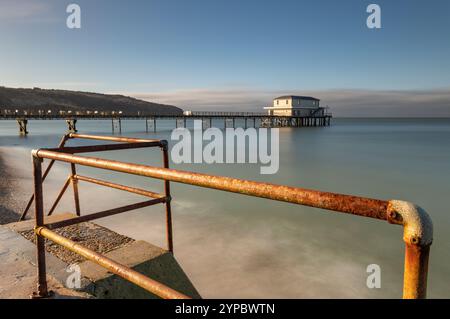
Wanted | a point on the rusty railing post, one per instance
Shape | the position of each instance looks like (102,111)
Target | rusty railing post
(42,290)
(75,189)
(418,237)
(169,198)
(416,271)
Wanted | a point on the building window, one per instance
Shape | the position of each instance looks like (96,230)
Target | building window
(287,101)
(278,102)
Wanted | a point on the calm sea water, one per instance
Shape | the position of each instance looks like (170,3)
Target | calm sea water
(236,246)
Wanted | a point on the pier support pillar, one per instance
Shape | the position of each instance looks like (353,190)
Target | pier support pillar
(72,125)
(180,122)
(22,126)
(116,122)
(205,123)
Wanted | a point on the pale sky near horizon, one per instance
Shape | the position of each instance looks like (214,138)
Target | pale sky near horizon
(204,54)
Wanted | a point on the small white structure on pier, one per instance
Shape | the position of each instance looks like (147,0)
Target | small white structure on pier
(293,105)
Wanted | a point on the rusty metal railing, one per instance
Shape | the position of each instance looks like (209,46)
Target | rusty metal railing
(43,230)
(418,228)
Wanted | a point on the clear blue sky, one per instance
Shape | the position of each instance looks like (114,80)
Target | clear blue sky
(158,46)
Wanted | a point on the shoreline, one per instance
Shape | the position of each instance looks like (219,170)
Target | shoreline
(9,208)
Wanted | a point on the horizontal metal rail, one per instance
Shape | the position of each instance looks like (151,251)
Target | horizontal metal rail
(106,147)
(143,117)
(105,213)
(208,113)
(127,273)
(112,138)
(331,201)
(133,190)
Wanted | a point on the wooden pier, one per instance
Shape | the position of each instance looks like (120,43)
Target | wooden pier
(230,119)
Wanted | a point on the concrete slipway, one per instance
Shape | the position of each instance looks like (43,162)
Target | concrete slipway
(18,265)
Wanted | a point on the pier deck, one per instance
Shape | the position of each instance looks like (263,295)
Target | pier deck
(230,119)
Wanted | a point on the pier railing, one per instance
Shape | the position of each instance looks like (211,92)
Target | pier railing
(238,114)
(417,225)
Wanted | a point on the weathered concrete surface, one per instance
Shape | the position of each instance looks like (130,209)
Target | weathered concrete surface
(147,259)
(18,269)
(88,234)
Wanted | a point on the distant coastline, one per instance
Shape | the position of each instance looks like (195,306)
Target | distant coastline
(26,101)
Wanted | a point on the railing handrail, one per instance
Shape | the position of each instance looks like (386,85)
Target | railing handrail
(368,207)
(206,113)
